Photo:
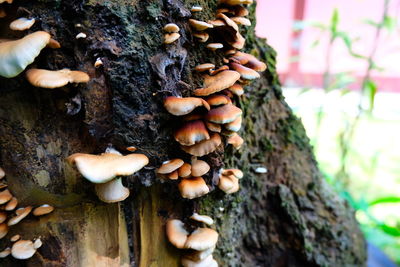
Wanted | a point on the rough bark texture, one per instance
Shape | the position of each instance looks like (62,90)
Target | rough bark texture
(287,217)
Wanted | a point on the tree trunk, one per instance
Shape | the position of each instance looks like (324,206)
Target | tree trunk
(287,217)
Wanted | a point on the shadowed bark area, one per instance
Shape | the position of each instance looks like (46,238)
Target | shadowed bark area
(287,217)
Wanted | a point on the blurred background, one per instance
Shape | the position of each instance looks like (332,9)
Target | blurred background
(339,64)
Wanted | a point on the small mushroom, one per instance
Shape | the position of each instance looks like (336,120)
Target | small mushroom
(171,28)
(222,68)
(2,173)
(229,184)
(235,125)
(173,175)
(170,166)
(21,213)
(112,191)
(199,25)
(217,22)
(236,89)
(43,210)
(11,204)
(206,262)
(213,127)
(176,233)
(98,63)
(236,172)
(81,35)
(5,252)
(191,133)
(204,67)
(217,100)
(194,187)
(224,114)
(15,238)
(204,147)
(3,230)
(241,21)
(54,79)
(201,36)
(169,38)
(53,44)
(196,9)
(23,249)
(21,24)
(218,82)
(179,106)
(214,46)
(199,167)
(245,72)
(5,196)
(3,216)
(3,13)
(202,218)
(185,170)
(202,239)
(235,140)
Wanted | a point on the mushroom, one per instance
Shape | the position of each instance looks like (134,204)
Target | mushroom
(235,140)
(193,187)
(15,238)
(236,89)
(11,204)
(5,196)
(217,22)
(261,170)
(202,218)
(236,172)
(213,127)
(199,25)
(185,170)
(191,133)
(245,72)
(199,167)
(16,55)
(204,67)
(98,63)
(53,79)
(235,125)
(3,216)
(214,46)
(171,28)
(53,44)
(131,148)
(229,184)
(183,105)
(217,100)
(202,239)
(169,166)
(112,191)
(176,233)
(3,230)
(43,210)
(6,1)
(222,68)
(204,147)
(241,21)
(249,60)
(202,36)
(206,262)
(81,35)
(21,24)
(196,9)
(218,82)
(2,173)
(23,249)
(240,11)
(5,252)
(103,168)
(169,38)
(3,13)
(224,114)
(21,213)
(173,175)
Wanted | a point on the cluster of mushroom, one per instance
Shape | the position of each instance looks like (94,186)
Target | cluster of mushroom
(198,245)
(16,55)
(10,215)
(105,171)
(21,249)
(172,33)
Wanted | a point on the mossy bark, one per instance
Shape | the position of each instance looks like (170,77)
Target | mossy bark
(287,217)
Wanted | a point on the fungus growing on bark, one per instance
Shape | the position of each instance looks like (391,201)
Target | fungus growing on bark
(217,100)
(261,170)
(224,114)
(249,60)
(202,239)
(103,168)
(169,38)
(236,89)
(204,67)
(191,133)
(235,125)
(11,204)
(3,230)
(217,22)
(179,106)
(81,35)
(245,72)
(185,170)
(229,184)
(15,238)
(16,55)
(207,262)
(3,13)
(5,196)
(171,28)
(5,252)
(176,233)
(236,172)
(173,175)
(235,140)
(196,9)
(55,78)
(199,25)
(218,82)
(2,173)
(21,214)
(3,216)
(222,68)
(21,24)
(98,63)
(23,249)
(43,210)
(199,167)
(241,21)
(202,218)
(213,127)
(193,187)
(201,36)
(170,166)
(204,147)
(214,46)
(112,191)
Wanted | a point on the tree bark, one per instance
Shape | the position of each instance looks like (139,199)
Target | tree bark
(287,217)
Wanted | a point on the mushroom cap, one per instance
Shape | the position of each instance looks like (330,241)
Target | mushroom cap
(215,46)
(213,127)
(206,262)
(185,170)
(23,249)
(21,213)
(224,114)
(198,256)
(55,78)
(171,27)
(16,55)
(202,239)
(191,133)
(81,35)
(199,25)
(11,204)
(37,244)
(229,184)
(217,100)
(202,36)
(228,21)
(249,60)
(204,147)
(241,21)
(245,72)
(234,125)
(112,191)
(169,38)
(196,9)
(204,67)
(5,252)
(235,140)
(21,24)
(3,13)
(240,11)
(202,218)
(3,216)
(54,44)
(183,105)
(103,168)
(3,230)
(218,82)
(176,233)
(42,210)
(15,238)
(2,173)
(217,22)
(5,196)
(170,166)
(236,89)
(193,187)
(173,175)
(222,68)
(235,172)
(199,167)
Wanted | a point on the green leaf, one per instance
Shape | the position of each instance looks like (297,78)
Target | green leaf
(334,21)
(391,199)
(371,22)
(389,23)
(393,231)
(370,89)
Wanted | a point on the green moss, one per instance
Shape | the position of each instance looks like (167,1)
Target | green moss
(293,132)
